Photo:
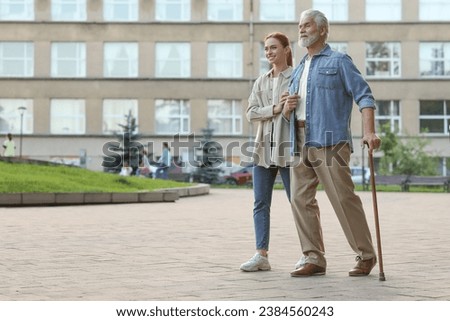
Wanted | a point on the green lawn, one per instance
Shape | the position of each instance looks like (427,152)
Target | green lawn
(22,178)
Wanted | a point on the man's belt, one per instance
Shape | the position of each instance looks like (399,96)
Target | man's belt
(300,124)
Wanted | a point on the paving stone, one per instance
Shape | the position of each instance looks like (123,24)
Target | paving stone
(191,249)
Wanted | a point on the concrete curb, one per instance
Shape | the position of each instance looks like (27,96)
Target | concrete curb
(56,199)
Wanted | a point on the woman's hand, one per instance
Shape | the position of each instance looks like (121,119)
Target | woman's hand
(278,108)
(290,104)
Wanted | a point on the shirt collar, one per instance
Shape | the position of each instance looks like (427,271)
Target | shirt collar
(286,73)
(326,51)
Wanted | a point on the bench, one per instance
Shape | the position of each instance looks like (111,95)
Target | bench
(413,180)
(391,180)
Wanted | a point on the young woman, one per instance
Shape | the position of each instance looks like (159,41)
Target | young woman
(271,154)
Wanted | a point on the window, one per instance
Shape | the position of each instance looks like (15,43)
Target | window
(388,114)
(443,166)
(264,65)
(383,59)
(225,116)
(20,10)
(434,10)
(121,10)
(16,59)
(225,10)
(68,59)
(224,60)
(173,10)
(115,112)
(121,59)
(69,10)
(172,116)
(434,116)
(339,46)
(173,59)
(383,10)
(335,10)
(67,116)
(277,10)
(10,118)
(435,59)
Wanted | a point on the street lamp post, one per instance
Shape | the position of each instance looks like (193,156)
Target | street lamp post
(22,111)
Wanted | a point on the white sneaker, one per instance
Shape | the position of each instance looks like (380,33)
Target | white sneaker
(300,262)
(256,263)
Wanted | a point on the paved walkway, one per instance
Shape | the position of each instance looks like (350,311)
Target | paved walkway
(191,250)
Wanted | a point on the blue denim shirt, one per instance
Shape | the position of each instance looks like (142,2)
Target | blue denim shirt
(334,83)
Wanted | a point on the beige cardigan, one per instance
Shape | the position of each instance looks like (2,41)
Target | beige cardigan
(271,127)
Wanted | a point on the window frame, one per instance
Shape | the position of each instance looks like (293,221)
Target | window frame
(80,13)
(237,10)
(183,118)
(234,117)
(27,13)
(215,62)
(27,59)
(110,116)
(56,116)
(395,121)
(445,60)
(265,10)
(162,10)
(132,64)
(79,60)
(390,60)
(335,10)
(444,117)
(110,9)
(434,10)
(9,114)
(184,70)
(379,10)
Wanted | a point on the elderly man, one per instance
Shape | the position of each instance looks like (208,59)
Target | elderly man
(322,90)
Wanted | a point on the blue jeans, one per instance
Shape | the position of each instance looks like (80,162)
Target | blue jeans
(263,181)
(162,172)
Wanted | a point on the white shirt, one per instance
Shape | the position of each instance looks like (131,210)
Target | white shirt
(274,90)
(10,147)
(300,111)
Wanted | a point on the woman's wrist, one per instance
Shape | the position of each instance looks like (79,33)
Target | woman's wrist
(277,109)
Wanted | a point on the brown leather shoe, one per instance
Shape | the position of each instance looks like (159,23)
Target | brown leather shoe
(363,267)
(308,269)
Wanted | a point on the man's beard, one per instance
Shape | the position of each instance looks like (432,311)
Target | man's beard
(307,42)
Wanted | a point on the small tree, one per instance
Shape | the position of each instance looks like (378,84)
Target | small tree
(127,149)
(405,157)
(131,148)
(210,159)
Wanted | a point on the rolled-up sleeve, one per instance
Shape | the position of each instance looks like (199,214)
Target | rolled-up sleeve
(356,85)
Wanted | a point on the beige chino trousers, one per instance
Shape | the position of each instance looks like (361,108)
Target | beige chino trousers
(328,165)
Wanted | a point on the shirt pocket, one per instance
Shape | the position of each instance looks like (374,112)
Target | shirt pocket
(328,78)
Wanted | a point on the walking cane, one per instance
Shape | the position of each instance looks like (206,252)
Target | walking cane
(375,211)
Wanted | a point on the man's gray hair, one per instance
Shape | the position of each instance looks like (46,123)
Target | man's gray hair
(319,17)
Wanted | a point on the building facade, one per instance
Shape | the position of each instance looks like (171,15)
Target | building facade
(179,66)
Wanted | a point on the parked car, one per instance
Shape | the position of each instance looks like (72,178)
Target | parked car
(242,176)
(357,176)
(226,168)
(178,171)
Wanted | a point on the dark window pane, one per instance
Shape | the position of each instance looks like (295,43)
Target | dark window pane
(431,126)
(431,107)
